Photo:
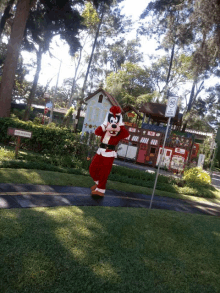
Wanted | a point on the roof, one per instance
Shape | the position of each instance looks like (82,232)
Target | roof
(111,99)
(157,111)
(22,106)
(131,108)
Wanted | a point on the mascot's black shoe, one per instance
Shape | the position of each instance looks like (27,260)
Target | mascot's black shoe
(96,192)
(93,187)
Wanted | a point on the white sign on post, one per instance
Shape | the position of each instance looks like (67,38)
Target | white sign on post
(170,112)
(201,160)
(171,107)
(22,133)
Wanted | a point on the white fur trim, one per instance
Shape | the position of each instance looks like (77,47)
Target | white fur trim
(106,138)
(120,121)
(96,182)
(103,153)
(103,127)
(100,190)
(106,120)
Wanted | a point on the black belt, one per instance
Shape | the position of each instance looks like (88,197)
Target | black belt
(107,146)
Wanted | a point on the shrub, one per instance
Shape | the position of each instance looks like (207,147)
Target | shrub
(6,155)
(49,139)
(196,175)
(144,176)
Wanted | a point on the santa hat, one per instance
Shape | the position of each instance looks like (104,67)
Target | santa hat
(115,111)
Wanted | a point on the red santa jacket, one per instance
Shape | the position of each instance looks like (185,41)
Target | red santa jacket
(111,140)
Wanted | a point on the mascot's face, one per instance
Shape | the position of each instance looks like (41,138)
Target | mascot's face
(113,124)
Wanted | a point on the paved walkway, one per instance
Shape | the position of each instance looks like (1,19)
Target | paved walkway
(29,196)
(216,179)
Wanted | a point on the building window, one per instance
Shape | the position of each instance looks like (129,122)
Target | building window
(153,150)
(100,98)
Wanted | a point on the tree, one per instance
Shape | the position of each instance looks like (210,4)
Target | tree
(166,22)
(55,11)
(6,15)
(91,21)
(21,16)
(38,35)
(187,24)
(102,9)
(128,83)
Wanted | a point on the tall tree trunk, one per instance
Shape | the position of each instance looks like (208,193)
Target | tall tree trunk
(74,80)
(171,64)
(192,94)
(6,16)
(7,82)
(88,68)
(166,95)
(192,99)
(34,86)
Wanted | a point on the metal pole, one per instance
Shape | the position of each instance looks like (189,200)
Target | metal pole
(155,183)
(51,112)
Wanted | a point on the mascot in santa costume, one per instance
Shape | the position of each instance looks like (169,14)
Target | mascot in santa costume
(111,132)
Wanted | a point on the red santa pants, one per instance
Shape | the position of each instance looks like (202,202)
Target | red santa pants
(100,169)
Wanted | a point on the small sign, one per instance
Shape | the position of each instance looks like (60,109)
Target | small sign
(201,160)
(128,123)
(151,133)
(132,129)
(131,115)
(171,107)
(19,132)
(180,151)
(22,133)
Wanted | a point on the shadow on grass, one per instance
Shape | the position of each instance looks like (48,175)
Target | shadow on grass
(90,250)
(40,253)
(200,190)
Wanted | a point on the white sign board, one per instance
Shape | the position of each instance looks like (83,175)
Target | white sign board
(171,107)
(201,160)
(151,133)
(49,105)
(180,151)
(22,133)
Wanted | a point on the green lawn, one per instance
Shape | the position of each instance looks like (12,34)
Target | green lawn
(26,176)
(31,167)
(102,249)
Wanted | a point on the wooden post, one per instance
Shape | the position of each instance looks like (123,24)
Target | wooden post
(17,146)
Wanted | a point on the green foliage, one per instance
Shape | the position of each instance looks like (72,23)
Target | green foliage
(44,139)
(59,146)
(128,83)
(217,157)
(196,175)
(73,165)
(6,154)
(70,112)
(141,175)
(90,16)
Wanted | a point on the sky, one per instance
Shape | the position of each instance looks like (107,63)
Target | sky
(50,67)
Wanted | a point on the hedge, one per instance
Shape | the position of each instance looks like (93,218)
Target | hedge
(53,141)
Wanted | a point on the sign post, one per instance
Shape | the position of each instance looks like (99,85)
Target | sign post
(19,133)
(170,112)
